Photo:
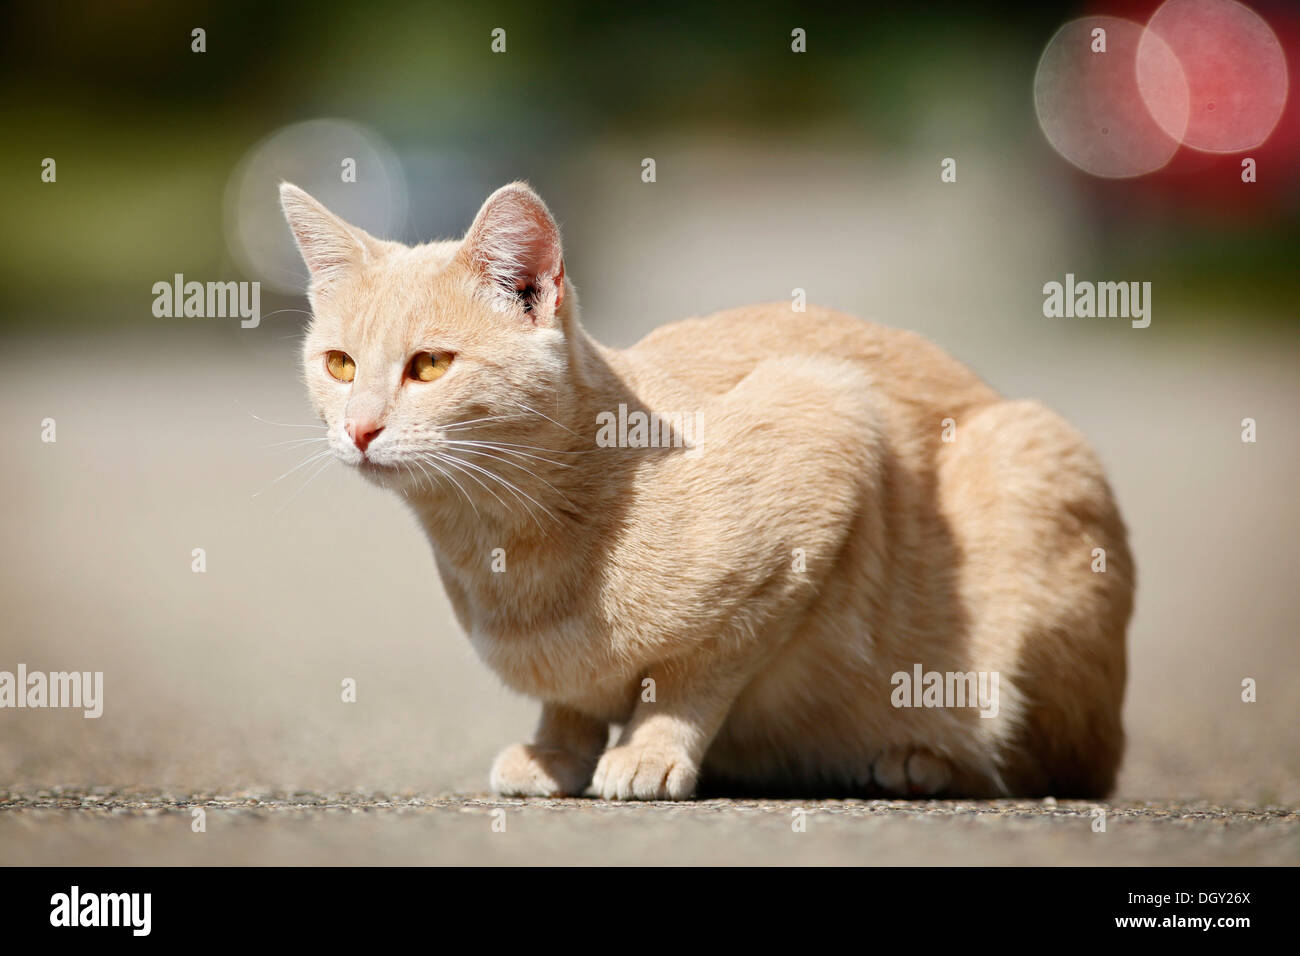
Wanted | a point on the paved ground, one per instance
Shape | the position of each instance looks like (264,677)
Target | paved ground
(112,827)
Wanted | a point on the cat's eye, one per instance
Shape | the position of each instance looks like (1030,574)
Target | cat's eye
(428,366)
(340,365)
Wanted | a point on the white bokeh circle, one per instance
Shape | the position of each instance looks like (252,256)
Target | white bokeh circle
(1089,104)
(309,154)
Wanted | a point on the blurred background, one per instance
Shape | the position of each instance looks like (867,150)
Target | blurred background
(773,171)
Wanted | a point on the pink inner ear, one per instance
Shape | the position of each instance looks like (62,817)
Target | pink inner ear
(516,243)
(541,254)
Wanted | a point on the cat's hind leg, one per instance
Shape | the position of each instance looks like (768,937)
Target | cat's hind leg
(911,772)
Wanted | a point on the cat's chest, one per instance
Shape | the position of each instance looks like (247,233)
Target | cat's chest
(564,657)
(566,662)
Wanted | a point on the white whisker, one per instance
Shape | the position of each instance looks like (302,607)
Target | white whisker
(526,471)
(267,421)
(314,475)
(509,451)
(549,451)
(317,456)
(447,461)
(456,426)
(549,419)
(296,441)
(508,485)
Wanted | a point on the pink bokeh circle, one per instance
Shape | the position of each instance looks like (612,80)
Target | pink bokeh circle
(1234,67)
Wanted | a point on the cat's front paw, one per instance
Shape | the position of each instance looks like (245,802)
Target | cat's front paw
(526,770)
(638,772)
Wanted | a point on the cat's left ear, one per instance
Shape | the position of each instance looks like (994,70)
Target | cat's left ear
(330,247)
(514,247)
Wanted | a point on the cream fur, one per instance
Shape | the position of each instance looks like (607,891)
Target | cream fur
(820,432)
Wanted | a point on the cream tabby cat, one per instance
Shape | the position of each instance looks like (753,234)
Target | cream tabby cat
(740,604)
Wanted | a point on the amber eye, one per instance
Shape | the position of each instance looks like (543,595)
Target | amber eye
(340,365)
(428,366)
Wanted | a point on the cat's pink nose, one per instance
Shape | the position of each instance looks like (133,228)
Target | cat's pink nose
(363,434)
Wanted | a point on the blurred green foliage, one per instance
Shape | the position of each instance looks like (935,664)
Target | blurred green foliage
(146,133)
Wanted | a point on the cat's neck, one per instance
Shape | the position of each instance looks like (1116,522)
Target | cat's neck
(535,505)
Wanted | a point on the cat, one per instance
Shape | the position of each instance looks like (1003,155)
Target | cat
(851,507)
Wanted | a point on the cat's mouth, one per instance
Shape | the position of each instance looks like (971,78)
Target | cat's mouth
(383,474)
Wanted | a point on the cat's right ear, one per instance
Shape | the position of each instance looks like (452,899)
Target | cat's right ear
(330,247)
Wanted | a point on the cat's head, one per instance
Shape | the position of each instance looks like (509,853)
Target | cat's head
(414,353)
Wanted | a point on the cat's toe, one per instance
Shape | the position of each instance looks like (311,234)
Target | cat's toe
(927,774)
(641,773)
(890,771)
(525,770)
(909,772)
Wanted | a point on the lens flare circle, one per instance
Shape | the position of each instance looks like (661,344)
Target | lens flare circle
(321,156)
(1089,104)
(1235,71)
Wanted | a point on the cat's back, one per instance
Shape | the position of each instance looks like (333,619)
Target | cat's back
(711,354)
